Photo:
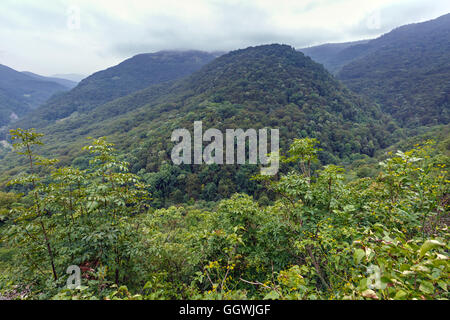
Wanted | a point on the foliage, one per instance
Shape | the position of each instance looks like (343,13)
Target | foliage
(75,216)
(321,237)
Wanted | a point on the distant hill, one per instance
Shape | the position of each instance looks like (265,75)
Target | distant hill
(22,92)
(64,82)
(129,76)
(335,55)
(70,76)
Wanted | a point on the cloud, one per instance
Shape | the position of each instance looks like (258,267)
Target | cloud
(44,37)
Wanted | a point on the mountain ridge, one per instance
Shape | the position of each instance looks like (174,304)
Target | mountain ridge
(64,82)
(133,74)
(22,92)
(238,89)
(332,55)
(69,76)
(406,71)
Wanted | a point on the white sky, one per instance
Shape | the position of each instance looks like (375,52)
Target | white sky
(46,36)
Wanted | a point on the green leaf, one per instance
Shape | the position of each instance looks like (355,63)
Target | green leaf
(358,255)
(404,267)
(272,295)
(443,285)
(428,245)
(426,287)
(401,294)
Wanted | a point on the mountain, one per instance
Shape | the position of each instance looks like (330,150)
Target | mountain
(22,92)
(70,76)
(129,76)
(64,82)
(406,71)
(266,86)
(335,55)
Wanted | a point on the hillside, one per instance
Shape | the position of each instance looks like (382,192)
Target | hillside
(408,73)
(21,92)
(129,76)
(266,86)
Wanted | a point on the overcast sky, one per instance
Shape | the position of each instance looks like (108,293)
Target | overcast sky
(84,36)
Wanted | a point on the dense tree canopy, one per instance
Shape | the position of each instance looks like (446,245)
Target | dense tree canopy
(319,237)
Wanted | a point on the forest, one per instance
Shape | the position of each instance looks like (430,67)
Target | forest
(322,236)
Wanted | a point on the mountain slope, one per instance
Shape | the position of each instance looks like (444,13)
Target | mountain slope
(129,76)
(407,72)
(20,93)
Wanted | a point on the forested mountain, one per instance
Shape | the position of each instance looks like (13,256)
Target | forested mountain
(129,76)
(267,86)
(408,74)
(22,92)
(407,71)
